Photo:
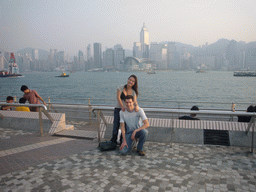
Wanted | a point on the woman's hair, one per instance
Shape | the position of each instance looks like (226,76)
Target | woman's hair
(135,86)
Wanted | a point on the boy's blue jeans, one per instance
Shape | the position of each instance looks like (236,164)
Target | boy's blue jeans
(142,135)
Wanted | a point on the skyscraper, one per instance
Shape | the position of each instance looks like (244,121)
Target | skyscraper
(81,60)
(97,55)
(158,53)
(119,55)
(137,52)
(109,59)
(88,52)
(144,39)
(35,54)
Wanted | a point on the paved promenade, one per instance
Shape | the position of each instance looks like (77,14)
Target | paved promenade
(29,162)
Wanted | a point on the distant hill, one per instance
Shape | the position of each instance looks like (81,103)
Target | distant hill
(179,45)
(250,45)
(42,54)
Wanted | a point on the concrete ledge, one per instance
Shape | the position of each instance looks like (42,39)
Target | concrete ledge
(30,121)
(187,131)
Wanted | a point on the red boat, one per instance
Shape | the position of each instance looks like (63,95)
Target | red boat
(13,68)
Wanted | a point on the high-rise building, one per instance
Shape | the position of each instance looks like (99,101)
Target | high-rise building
(144,39)
(158,54)
(137,51)
(173,60)
(119,55)
(109,59)
(97,55)
(35,55)
(232,55)
(88,52)
(81,65)
(75,63)
(250,59)
(53,53)
(89,59)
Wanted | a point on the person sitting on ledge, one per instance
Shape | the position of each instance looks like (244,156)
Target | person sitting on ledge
(22,108)
(250,109)
(9,99)
(191,116)
(134,128)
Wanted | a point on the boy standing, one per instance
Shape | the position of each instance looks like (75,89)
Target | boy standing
(32,96)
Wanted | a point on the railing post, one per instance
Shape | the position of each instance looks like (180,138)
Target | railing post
(98,119)
(233,110)
(253,124)
(40,121)
(15,98)
(172,131)
(49,103)
(90,115)
(178,108)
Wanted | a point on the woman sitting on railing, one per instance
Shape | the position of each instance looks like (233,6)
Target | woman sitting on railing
(131,88)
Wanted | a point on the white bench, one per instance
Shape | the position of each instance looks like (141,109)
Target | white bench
(186,131)
(30,121)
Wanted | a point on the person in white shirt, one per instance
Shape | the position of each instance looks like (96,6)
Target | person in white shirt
(136,124)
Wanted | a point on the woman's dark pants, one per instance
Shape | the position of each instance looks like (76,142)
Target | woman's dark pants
(116,125)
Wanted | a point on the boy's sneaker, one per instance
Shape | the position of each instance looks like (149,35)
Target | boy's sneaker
(141,153)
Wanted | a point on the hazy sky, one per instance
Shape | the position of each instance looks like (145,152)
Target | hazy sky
(70,25)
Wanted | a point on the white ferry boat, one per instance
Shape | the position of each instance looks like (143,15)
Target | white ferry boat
(245,73)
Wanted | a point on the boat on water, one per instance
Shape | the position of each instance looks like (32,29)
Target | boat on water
(13,69)
(200,71)
(63,75)
(96,70)
(7,74)
(245,73)
(151,72)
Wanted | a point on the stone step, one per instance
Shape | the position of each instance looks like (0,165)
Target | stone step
(69,127)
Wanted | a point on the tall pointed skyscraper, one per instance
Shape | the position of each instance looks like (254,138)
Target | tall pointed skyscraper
(144,39)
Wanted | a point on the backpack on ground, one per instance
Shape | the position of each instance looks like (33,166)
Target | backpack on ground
(107,146)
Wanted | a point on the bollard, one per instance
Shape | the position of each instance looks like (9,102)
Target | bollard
(98,118)
(253,124)
(40,121)
(49,103)
(90,108)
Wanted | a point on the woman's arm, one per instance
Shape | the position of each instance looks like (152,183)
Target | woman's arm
(136,104)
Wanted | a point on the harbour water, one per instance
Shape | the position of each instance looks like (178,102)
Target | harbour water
(163,86)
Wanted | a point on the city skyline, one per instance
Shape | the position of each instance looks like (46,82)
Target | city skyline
(70,26)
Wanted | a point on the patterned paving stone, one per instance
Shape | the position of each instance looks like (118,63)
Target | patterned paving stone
(182,167)
(6,133)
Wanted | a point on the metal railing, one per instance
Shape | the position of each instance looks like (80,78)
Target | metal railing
(251,124)
(174,104)
(91,109)
(42,109)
